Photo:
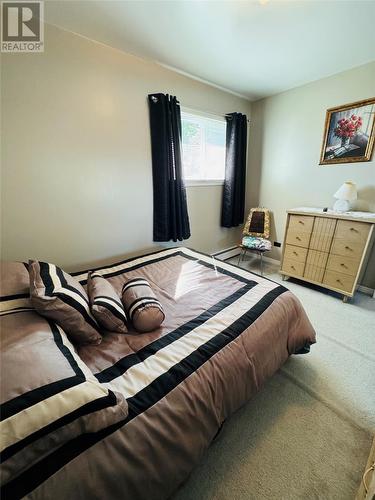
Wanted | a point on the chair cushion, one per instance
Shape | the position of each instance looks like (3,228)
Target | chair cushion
(105,304)
(255,243)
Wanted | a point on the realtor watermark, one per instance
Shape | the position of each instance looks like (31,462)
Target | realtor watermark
(22,28)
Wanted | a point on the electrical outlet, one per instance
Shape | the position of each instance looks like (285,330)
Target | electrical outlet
(276,244)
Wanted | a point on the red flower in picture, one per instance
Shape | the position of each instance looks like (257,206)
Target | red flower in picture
(348,127)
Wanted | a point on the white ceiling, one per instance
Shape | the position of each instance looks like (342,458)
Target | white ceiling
(254,48)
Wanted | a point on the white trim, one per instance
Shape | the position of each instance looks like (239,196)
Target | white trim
(224,250)
(110,302)
(270,260)
(204,182)
(227,253)
(211,115)
(367,290)
(236,252)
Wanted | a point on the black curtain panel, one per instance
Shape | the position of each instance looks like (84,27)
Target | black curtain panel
(171,220)
(233,204)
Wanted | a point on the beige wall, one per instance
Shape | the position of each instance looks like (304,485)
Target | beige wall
(285,148)
(76,159)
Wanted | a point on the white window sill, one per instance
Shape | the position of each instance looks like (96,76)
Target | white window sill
(204,182)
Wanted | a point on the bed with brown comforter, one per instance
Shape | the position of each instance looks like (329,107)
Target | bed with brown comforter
(225,333)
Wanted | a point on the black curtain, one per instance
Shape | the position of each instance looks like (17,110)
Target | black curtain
(171,220)
(233,204)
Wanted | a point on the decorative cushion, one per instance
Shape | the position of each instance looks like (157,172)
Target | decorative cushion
(105,304)
(254,243)
(14,278)
(60,297)
(48,396)
(141,305)
(14,286)
(258,223)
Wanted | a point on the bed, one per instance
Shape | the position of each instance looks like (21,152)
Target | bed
(226,331)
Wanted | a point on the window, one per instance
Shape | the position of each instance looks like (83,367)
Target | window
(203,148)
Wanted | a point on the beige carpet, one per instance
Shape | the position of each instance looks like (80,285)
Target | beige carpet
(308,433)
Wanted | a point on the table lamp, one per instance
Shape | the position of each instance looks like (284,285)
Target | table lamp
(344,195)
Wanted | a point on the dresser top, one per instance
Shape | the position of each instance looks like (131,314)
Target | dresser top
(356,216)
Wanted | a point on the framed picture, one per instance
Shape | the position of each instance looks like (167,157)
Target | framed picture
(258,223)
(349,133)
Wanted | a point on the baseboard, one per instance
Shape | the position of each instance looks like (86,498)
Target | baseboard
(227,253)
(367,290)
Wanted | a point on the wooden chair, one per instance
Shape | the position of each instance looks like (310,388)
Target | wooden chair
(256,233)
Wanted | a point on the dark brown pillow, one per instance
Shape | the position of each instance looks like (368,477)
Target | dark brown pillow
(105,304)
(60,297)
(141,305)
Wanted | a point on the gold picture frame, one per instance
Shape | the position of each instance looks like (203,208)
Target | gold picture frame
(349,133)
(265,222)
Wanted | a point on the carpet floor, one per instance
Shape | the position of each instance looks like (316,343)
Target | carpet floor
(308,433)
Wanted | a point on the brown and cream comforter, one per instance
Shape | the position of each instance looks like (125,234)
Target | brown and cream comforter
(226,331)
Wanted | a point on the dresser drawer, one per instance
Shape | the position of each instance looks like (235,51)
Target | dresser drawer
(295,253)
(300,239)
(351,231)
(339,281)
(322,234)
(299,230)
(315,265)
(353,249)
(341,264)
(302,223)
(293,267)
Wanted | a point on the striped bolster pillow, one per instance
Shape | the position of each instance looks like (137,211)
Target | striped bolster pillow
(105,304)
(141,305)
(60,297)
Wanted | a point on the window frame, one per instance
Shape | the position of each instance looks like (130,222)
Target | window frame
(212,116)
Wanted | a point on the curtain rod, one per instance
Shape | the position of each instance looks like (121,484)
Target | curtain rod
(213,113)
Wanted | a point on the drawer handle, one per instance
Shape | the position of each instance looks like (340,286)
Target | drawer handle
(295,253)
(343,265)
(298,238)
(354,229)
(293,267)
(348,248)
(338,281)
(301,222)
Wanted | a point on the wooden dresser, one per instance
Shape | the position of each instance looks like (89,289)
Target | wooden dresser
(327,248)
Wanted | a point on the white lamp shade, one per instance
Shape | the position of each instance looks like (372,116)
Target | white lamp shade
(347,191)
